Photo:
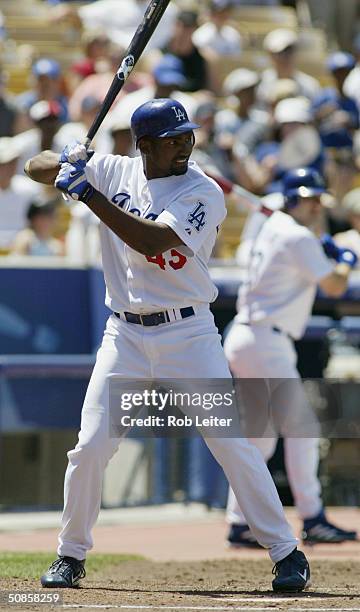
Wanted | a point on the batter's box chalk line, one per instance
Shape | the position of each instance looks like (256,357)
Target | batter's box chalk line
(262,600)
(215,608)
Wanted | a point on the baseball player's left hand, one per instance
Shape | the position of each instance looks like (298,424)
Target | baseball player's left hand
(340,255)
(75,151)
(72,180)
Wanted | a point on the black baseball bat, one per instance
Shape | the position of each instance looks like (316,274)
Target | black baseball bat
(152,16)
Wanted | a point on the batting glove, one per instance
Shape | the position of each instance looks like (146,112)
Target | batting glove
(75,151)
(72,180)
(337,253)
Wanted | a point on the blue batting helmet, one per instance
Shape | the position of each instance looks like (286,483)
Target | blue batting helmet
(160,118)
(302,183)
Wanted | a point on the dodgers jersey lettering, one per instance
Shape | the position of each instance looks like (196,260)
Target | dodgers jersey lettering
(286,262)
(191,204)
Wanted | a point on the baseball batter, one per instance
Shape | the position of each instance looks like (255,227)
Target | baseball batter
(285,264)
(159,217)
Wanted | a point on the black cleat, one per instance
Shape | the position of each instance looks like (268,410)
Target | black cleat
(64,573)
(292,574)
(318,530)
(240,536)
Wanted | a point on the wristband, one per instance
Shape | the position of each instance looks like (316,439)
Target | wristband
(87,193)
(348,257)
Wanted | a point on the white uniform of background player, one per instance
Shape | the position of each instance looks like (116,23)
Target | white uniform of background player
(284,263)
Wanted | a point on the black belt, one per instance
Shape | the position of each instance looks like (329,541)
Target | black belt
(155,318)
(277,330)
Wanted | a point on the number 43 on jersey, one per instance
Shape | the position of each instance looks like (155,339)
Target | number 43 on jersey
(176,262)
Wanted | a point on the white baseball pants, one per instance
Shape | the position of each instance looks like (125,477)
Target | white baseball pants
(189,348)
(258,352)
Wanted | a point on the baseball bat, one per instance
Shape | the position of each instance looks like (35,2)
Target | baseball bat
(245,199)
(152,16)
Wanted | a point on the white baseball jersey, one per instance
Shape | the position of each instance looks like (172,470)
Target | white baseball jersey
(286,263)
(254,222)
(192,205)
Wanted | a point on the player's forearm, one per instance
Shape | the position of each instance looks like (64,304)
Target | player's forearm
(335,284)
(142,235)
(43,168)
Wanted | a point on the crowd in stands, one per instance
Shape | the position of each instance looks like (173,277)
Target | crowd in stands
(257,121)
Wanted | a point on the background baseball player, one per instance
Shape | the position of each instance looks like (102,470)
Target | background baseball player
(159,216)
(285,264)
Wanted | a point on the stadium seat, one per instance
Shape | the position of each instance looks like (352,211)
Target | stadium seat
(276,16)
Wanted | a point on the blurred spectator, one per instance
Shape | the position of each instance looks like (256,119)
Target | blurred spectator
(351,238)
(244,126)
(48,85)
(168,75)
(122,137)
(37,239)
(8,109)
(282,45)
(182,46)
(352,82)
(82,241)
(216,36)
(296,144)
(338,18)
(16,193)
(118,18)
(208,151)
(77,130)
(337,114)
(97,85)
(282,89)
(338,117)
(45,116)
(96,49)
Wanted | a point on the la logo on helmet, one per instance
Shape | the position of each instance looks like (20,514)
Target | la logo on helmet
(180,115)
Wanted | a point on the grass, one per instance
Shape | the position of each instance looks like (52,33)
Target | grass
(32,565)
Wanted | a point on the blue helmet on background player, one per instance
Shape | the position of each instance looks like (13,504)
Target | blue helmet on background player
(160,118)
(302,183)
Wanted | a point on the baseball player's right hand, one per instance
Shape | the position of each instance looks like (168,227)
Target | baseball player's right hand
(72,181)
(75,151)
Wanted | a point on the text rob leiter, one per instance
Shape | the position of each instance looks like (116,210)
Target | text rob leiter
(175,421)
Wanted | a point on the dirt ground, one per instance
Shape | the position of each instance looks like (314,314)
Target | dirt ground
(187,567)
(227,584)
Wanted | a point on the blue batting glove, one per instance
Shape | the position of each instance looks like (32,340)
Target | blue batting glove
(75,151)
(72,181)
(347,256)
(331,249)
